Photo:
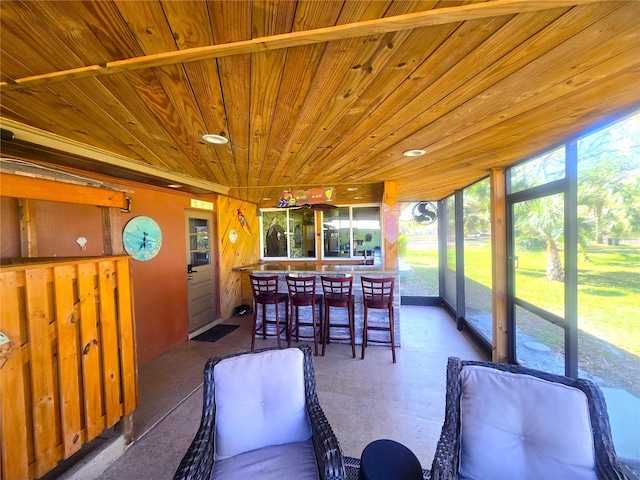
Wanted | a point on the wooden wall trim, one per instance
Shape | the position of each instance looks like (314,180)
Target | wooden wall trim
(499,265)
(19,186)
(390,199)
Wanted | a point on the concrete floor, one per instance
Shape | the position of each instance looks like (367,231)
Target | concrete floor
(364,400)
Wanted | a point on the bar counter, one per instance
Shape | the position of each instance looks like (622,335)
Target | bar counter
(334,269)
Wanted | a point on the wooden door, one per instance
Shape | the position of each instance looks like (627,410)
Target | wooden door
(200,270)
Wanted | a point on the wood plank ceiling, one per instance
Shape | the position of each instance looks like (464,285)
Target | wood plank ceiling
(316,93)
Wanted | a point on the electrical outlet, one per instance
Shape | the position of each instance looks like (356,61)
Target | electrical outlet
(4,339)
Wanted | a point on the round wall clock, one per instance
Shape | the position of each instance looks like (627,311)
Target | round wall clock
(233,236)
(142,238)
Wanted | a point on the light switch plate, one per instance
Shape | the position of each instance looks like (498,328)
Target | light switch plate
(4,339)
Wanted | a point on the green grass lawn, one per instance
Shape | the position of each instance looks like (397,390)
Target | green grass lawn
(608,289)
(608,303)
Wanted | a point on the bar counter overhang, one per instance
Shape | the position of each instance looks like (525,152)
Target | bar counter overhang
(282,269)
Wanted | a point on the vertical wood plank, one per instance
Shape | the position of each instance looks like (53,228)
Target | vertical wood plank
(42,389)
(13,438)
(68,366)
(500,352)
(91,374)
(127,337)
(390,198)
(109,337)
(111,231)
(28,243)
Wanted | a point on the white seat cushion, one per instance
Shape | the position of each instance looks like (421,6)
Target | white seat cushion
(519,426)
(260,401)
(293,461)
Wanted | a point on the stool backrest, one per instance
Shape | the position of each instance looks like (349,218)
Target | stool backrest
(301,286)
(264,285)
(378,292)
(337,288)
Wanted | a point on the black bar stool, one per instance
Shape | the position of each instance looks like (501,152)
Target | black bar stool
(377,293)
(338,294)
(265,292)
(302,293)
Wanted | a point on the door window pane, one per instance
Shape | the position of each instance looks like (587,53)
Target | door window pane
(539,252)
(539,343)
(199,242)
(538,171)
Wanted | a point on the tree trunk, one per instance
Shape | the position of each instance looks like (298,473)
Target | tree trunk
(554,264)
(598,224)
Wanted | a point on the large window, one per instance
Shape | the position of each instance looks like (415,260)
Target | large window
(347,232)
(288,233)
(352,232)
(450,287)
(477,257)
(609,256)
(574,263)
(418,250)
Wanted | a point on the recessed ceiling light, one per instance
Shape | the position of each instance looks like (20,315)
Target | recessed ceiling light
(352,189)
(413,153)
(215,139)
(174,185)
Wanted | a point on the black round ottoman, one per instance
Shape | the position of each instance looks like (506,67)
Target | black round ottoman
(389,460)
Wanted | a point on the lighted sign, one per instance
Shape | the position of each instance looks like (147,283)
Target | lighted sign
(201,204)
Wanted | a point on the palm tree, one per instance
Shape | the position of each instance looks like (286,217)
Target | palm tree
(543,218)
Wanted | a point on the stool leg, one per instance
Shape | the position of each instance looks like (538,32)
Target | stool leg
(290,327)
(255,325)
(364,331)
(325,333)
(287,320)
(277,325)
(320,321)
(393,342)
(352,329)
(315,333)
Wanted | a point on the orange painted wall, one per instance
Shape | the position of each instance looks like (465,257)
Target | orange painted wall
(9,233)
(159,285)
(59,224)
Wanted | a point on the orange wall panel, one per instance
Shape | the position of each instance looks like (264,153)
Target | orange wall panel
(9,231)
(160,284)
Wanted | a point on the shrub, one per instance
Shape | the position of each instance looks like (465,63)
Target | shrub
(402,246)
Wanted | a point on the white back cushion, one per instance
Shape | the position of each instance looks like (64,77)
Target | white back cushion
(519,426)
(260,401)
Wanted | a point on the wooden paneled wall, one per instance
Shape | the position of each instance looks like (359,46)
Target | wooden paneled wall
(245,251)
(71,369)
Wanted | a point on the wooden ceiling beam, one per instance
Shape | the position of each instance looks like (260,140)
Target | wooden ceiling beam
(396,23)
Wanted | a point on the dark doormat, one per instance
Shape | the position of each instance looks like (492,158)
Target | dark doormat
(216,333)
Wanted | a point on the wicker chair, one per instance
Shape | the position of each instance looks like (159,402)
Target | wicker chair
(545,399)
(230,385)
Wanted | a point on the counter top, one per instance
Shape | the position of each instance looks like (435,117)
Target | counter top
(315,268)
